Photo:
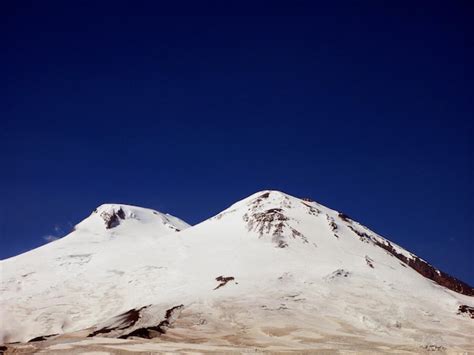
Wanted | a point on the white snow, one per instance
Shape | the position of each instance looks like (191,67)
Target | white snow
(318,286)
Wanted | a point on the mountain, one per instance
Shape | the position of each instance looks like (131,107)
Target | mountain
(272,272)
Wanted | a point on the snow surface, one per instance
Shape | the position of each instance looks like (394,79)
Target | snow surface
(302,277)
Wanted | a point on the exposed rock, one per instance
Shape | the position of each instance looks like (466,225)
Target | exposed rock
(312,210)
(344,217)
(296,234)
(428,271)
(152,332)
(113,219)
(332,224)
(223,281)
(337,274)
(282,244)
(469,311)
(41,338)
(363,237)
(263,222)
(121,213)
(124,320)
(271,221)
(419,265)
(369,261)
(432,347)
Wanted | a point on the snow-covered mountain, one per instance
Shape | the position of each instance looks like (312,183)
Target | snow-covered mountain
(272,271)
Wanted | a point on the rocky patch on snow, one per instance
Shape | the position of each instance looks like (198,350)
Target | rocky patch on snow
(293,298)
(263,222)
(311,210)
(363,237)
(281,307)
(332,225)
(223,281)
(428,271)
(272,221)
(155,331)
(339,273)
(432,347)
(121,322)
(73,260)
(41,338)
(467,310)
(344,217)
(419,265)
(369,261)
(112,218)
(145,322)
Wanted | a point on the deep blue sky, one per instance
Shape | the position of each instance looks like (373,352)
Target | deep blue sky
(366,107)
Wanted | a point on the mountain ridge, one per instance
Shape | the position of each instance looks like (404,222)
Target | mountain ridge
(271,253)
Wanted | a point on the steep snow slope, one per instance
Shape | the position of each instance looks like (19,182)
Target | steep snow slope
(63,284)
(271,271)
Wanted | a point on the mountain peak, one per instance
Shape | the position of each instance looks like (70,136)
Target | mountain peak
(270,256)
(114,216)
(291,222)
(275,215)
(269,198)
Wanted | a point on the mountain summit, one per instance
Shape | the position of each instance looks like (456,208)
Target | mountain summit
(271,271)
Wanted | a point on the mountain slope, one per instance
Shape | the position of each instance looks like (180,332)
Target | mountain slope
(270,271)
(64,283)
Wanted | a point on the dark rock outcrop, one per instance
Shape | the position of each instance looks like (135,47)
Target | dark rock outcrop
(419,265)
(272,221)
(363,237)
(41,338)
(125,320)
(369,261)
(345,217)
(262,222)
(120,213)
(338,273)
(113,219)
(466,310)
(428,271)
(154,331)
(312,210)
(223,281)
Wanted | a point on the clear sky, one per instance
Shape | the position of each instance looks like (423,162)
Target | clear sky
(366,107)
